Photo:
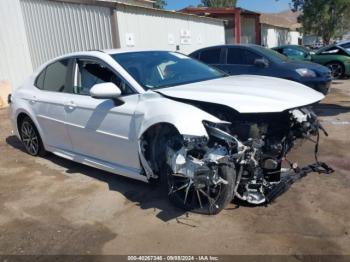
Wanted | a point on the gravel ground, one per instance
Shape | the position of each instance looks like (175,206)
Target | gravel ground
(55,206)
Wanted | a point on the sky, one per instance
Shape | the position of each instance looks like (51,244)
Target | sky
(265,6)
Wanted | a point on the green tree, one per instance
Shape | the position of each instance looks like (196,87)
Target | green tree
(160,4)
(325,18)
(219,3)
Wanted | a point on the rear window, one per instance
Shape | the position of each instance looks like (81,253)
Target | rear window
(39,83)
(55,76)
(211,56)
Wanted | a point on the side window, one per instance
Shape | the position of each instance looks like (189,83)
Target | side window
(211,56)
(89,73)
(39,82)
(235,56)
(56,76)
(250,57)
(239,56)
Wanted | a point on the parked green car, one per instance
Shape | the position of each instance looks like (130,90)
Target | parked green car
(336,58)
(294,52)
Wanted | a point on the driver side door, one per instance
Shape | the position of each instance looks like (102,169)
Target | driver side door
(241,61)
(102,129)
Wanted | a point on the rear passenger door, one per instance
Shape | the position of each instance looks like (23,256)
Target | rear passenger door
(49,103)
(240,61)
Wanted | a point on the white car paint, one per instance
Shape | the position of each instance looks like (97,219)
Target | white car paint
(248,93)
(104,90)
(98,133)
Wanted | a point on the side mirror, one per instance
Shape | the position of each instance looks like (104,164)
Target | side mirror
(307,56)
(105,91)
(261,62)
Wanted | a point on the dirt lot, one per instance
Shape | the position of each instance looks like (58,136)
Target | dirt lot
(54,206)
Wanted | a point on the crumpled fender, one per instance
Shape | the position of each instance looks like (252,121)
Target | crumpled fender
(186,118)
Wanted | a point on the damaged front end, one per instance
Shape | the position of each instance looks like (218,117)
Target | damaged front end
(243,158)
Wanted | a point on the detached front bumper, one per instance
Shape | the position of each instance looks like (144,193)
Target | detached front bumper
(290,176)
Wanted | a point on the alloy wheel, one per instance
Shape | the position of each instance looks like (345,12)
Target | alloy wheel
(197,194)
(30,138)
(337,70)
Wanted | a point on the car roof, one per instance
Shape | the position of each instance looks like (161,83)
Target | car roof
(109,52)
(229,45)
(129,50)
(297,46)
(292,46)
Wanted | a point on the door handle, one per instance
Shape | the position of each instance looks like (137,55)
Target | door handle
(33,100)
(70,105)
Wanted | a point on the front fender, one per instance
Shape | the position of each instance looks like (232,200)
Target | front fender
(187,119)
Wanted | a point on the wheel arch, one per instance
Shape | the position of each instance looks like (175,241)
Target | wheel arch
(20,115)
(150,152)
(20,118)
(334,61)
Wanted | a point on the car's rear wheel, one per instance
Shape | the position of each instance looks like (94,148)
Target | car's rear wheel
(30,138)
(337,69)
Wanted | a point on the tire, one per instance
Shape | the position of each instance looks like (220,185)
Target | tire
(31,138)
(209,200)
(157,151)
(337,69)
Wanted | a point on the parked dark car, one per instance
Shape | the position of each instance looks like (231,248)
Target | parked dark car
(257,60)
(335,57)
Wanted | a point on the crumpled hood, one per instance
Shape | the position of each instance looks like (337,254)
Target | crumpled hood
(248,93)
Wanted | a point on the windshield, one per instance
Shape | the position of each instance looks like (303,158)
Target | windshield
(271,54)
(159,69)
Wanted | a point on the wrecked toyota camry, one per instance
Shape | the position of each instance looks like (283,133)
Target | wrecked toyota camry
(160,116)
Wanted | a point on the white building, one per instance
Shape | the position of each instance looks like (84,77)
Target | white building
(280,29)
(34,31)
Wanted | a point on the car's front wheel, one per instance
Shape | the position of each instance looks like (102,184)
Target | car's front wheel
(30,138)
(202,193)
(196,184)
(337,69)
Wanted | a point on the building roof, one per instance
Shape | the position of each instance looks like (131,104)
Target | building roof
(118,3)
(287,19)
(215,10)
(128,1)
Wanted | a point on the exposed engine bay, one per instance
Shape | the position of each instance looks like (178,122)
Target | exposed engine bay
(252,147)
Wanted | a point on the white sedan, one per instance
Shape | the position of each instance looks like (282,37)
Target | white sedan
(162,116)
